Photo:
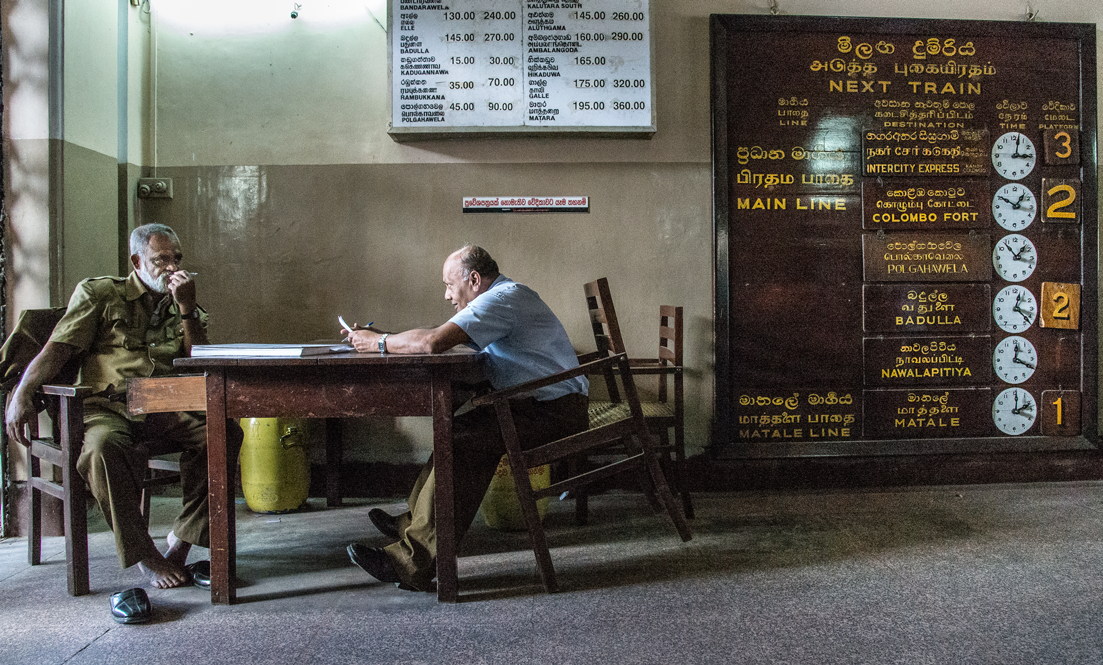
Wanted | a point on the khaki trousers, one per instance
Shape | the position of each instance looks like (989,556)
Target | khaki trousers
(477,448)
(113,462)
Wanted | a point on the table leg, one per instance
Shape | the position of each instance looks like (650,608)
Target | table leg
(447,576)
(334,453)
(221,488)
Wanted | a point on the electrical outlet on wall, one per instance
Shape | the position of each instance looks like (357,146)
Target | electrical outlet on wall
(155,188)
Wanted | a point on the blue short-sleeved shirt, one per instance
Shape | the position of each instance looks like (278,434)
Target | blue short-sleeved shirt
(521,339)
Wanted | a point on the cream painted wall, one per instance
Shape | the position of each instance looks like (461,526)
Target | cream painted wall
(88,229)
(138,88)
(83,241)
(26,152)
(91,106)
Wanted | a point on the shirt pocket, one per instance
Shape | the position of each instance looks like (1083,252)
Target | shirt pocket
(120,329)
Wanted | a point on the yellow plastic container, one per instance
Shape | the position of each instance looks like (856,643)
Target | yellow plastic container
(501,508)
(275,466)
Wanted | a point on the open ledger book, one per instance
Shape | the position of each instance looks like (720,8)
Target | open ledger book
(267,350)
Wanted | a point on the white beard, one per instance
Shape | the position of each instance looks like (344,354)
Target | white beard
(159,285)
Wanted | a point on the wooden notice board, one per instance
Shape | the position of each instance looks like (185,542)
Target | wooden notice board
(905,236)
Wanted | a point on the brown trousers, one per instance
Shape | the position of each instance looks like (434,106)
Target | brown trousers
(113,462)
(477,449)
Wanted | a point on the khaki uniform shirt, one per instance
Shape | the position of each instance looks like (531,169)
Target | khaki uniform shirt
(108,322)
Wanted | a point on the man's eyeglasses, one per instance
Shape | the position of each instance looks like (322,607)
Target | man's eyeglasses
(162,262)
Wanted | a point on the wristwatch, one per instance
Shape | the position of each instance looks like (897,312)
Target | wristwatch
(194,314)
(383,342)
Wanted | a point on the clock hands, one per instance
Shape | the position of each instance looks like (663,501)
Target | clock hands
(1016,358)
(1022,362)
(1027,405)
(1017,154)
(1018,256)
(1026,314)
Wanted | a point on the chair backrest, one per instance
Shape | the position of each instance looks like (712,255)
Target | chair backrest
(670,346)
(603,321)
(30,334)
(603,317)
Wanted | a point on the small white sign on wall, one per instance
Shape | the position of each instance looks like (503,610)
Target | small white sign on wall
(526,204)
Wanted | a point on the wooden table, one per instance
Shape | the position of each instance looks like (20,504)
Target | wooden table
(331,386)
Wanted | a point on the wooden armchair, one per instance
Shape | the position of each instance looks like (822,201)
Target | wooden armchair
(64,405)
(663,415)
(630,432)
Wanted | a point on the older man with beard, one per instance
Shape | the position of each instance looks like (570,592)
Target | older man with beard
(125,328)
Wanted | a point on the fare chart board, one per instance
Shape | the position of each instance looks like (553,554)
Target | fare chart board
(486,67)
(906,236)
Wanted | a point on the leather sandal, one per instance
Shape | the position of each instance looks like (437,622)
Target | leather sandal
(200,573)
(131,606)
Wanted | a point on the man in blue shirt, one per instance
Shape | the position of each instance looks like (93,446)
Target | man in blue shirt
(520,339)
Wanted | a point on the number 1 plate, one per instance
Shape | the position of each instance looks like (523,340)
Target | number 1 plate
(1060,413)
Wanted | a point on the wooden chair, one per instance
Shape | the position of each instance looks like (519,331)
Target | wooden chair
(663,415)
(631,432)
(64,404)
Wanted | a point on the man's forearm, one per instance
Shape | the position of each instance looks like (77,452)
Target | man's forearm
(43,368)
(418,340)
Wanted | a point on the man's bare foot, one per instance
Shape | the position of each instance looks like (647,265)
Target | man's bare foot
(178,550)
(167,571)
(162,573)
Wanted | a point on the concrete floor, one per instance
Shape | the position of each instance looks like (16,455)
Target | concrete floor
(943,575)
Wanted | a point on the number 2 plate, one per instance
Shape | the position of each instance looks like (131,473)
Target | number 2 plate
(1060,201)
(1060,306)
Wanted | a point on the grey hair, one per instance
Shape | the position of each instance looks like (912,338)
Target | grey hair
(476,259)
(140,236)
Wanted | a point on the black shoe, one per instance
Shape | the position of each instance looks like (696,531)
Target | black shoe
(131,606)
(200,572)
(374,561)
(387,524)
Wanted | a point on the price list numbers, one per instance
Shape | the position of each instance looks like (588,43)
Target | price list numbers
(594,65)
(521,64)
(457,66)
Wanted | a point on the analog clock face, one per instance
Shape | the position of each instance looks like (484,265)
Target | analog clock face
(1014,359)
(1014,411)
(1014,257)
(1014,206)
(1013,156)
(1014,308)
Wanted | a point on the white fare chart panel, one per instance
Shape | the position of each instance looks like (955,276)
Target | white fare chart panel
(521,66)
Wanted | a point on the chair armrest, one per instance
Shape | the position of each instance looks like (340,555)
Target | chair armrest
(590,357)
(529,386)
(67,391)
